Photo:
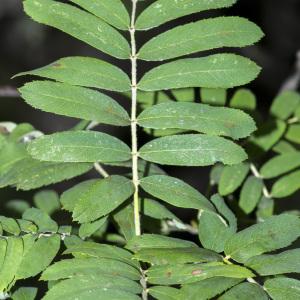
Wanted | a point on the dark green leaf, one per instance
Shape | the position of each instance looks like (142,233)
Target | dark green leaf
(79,24)
(201,36)
(198,117)
(78,102)
(286,185)
(215,71)
(192,150)
(87,229)
(293,133)
(243,99)
(79,146)
(164,293)
(283,288)
(215,97)
(47,201)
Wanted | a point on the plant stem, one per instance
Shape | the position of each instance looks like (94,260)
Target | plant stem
(101,170)
(255,172)
(134,146)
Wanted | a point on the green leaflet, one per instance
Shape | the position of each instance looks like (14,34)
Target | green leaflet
(47,201)
(280,164)
(25,293)
(80,25)
(156,210)
(32,174)
(166,10)
(95,198)
(84,71)
(198,117)
(91,249)
(207,289)
(111,11)
(10,225)
(250,194)
(214,71)
(12,259)
(213,231)
(283,288)
(157,241)
(201,36)
(192,150)
(265,209)
(215,97)
(165,256)
(41,219)
(286,185)
(164,292)
(293,134)
(189,273)
(243,99)
(68,268)
(175,192)
(283,147)
(285,104)
(79,146)
(232,177)
(38,257)
(90,288)
(87,229)
(245,291)
(274,233)
(72,101)
(284,262)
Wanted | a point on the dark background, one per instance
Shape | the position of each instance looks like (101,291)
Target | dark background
(26,45)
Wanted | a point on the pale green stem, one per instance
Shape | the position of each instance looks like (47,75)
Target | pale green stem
(134,145)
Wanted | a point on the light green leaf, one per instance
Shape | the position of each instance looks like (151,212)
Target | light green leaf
(157,241)
(164,293)
(175,192)
(79,24)
(89,288)
(156,210)
(111,11)
(201,36)
(245,291)
(189,273)
(69,268)
(232,177)
(192,150)
(283,147)
(10,225)
(215,173)
(286,185)
(243,99)
(47,201)
(87,229)
(285,104)
(283,288)
(284,262)
(25,293)
(31,174)
(41,219)
(17,206)
(215,97)
(215,71)
(207,289)
(213,231)
(96,250)
(280,164)
(38,257)
(97,197)
(79,146)
(11,261)
(293,133)
(274,233)
(84,71)
(198,117)
(163,11)
(165,256)
(250,194)
(78,102)
(184,95)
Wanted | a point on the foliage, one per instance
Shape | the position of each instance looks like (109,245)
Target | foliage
(121,243)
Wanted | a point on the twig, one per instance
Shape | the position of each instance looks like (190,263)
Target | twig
(9,92)
(255,172)
(101,170)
